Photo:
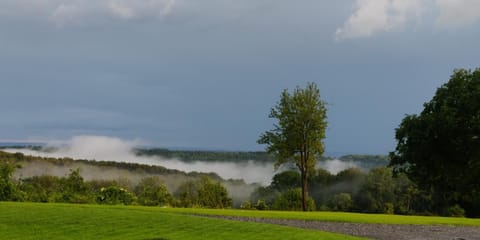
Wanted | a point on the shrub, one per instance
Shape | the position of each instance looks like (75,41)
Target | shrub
(115,195)
(246,205)
(455,211)
(291,200)
(7,187)
(341,202)
(152,192)
(213,194)
(261,205)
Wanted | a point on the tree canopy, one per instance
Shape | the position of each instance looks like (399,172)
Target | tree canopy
(440,148)
(298,135)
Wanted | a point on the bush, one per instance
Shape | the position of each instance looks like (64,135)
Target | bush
(7,187)
(455,211)
(213,194)
(152,192)
(115,195)
(261,205)
(187,194)
(341,202)
(291,200)
(73,189)
(246,205)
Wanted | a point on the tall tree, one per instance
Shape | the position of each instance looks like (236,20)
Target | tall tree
(298,135)
(439,149)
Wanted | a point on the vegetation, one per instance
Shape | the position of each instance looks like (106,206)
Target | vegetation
(218,156)
(61,221)
(7,188)
(439,149)
(151,191)
(298,135)
(376,191)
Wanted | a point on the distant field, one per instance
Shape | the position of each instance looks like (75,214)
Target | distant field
(65,221)
(333,216)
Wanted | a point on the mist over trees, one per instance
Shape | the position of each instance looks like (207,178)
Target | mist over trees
(434,170)
(298,135)
(439,149)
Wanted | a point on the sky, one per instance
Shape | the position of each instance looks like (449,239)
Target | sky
(204,74)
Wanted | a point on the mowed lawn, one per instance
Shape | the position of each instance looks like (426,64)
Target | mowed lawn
(332,216)
(69,221)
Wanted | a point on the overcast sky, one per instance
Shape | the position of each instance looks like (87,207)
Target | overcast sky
(204,74)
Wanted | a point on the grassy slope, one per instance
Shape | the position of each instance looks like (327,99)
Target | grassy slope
(334,216)
(63,221)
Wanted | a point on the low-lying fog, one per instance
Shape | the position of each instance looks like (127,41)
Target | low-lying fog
(103,148)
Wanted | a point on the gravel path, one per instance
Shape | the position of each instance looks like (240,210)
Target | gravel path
(377,231)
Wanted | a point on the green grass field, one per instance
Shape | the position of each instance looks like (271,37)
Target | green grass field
(64,221)
(332,216)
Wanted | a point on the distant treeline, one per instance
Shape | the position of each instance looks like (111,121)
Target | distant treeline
(367,160)
(364,161)
(205,155)
(19,159)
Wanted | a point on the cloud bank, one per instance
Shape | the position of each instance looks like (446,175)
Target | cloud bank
(375,16)
(119,150)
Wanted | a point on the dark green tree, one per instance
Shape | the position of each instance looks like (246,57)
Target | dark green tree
(298,135)
(376,194)
(291,200)
(74,189)
(439,149)
(286,180)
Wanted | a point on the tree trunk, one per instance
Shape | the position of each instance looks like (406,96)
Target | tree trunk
(304,190)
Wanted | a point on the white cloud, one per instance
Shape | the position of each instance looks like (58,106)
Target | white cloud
(454,13)
(373,16)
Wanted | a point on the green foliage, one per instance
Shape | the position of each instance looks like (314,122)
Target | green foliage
(7,187)
(74,189)
(377,193)
(261,205)
(205,193)
(455,211)
(151,191)
(246,205)
(265,194)
(115,195)
(298,135)
(213,194)
(291,200)
(439,149)
(41,188)
(341,202)
(286,180)
(187,194)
